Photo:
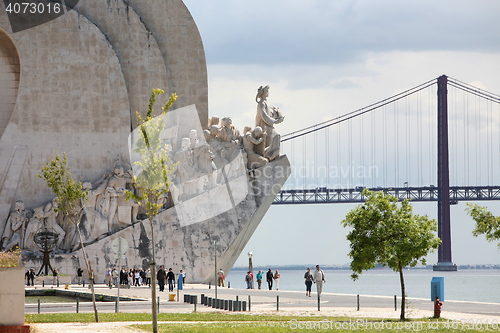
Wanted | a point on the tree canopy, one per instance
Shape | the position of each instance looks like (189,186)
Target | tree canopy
(389,234)
(486,223)
(68,191)
(152,182)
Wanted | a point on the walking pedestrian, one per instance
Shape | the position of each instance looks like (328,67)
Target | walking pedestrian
(79,275)
(32,276)
(183,277)
(137,278)
(221,277)
(161,275)
(277,276)
(148,277)
(269,278)
(143,276)
(115,274)
(109,278)
(170,279)
(55,277)
(259,279)
(123,276)
(319,279)
(248,280)
(309,281)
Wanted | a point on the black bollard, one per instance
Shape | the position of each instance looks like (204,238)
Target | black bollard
(277,302)
(319,302)
(77,304)
(249,304)
(395,303)
(357,301)
(209,285)
(43,283)
(38,306)
(228,284)
(83,283)
(158,306)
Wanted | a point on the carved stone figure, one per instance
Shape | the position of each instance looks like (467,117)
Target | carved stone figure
(267,116)
(114,203)
(273,150)
(185,168)
(251,141)
(214,121)
(226,132)
(34,224)
(94,223)
(50,215)
(14,230)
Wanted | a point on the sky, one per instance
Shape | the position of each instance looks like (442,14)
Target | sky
(323,59)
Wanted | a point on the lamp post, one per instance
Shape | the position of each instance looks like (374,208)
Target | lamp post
(215,269)
(250,264)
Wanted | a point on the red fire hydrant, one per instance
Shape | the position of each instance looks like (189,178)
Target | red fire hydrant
(437,308)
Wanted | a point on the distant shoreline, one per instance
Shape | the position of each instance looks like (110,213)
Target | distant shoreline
(326,267)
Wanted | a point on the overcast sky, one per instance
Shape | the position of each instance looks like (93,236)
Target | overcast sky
(325,58)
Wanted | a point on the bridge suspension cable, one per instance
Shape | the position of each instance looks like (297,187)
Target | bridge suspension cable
(474,90)
(357,112)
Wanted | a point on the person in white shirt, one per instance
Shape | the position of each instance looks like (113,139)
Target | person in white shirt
(319,279)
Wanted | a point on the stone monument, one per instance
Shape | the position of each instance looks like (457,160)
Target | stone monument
(73,85)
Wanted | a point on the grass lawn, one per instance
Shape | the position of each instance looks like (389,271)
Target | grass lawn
(224,322)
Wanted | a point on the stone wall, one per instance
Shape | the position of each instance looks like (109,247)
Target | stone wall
(82,78)
(191,247)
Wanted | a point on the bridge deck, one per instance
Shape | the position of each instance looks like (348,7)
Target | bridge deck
(417,194)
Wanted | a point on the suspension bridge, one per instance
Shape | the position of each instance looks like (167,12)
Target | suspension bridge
(437,141)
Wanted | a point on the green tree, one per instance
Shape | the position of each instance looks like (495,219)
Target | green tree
(152,182)
(70,197)
(486,223)
(386,233)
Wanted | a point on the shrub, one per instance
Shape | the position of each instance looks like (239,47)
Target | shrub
(10,258)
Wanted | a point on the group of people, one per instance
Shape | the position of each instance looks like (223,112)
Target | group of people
(137,277)
(162,275)
(134,277)
(317,277)
(270,278)
(29,276)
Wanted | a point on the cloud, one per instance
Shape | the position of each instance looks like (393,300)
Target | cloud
(340,32)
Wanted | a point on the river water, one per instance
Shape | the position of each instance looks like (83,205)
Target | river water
(480,285)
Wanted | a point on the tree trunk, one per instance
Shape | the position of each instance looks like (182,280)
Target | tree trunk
(403,292)
(152,266)
(89,270)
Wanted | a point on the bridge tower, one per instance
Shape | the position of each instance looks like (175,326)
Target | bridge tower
(444,229)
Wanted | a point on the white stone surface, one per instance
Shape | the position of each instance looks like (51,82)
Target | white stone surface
(12,296)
